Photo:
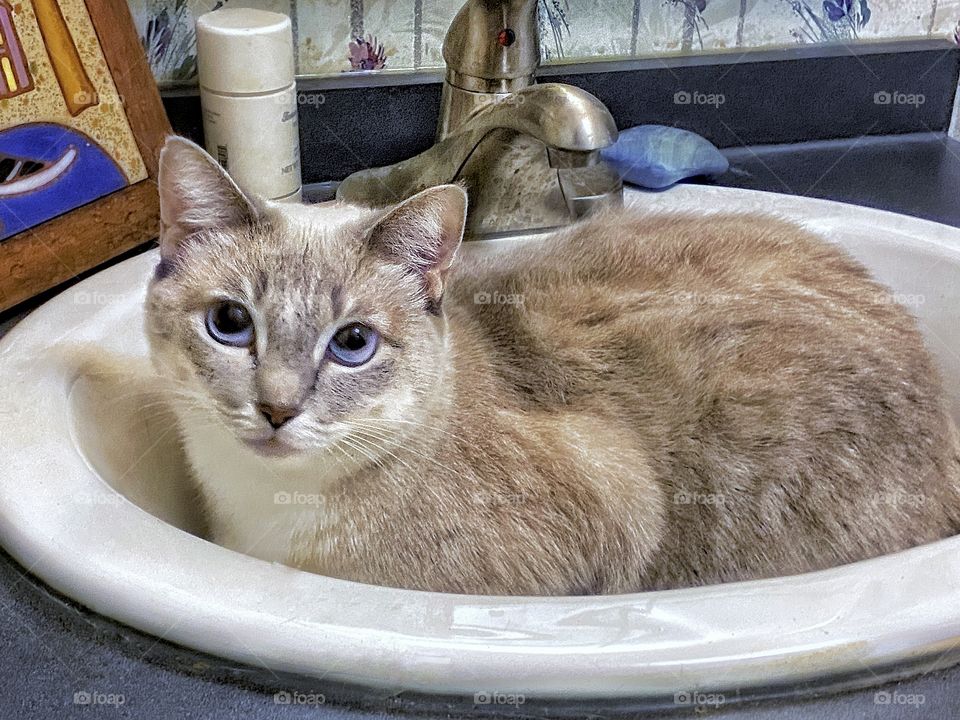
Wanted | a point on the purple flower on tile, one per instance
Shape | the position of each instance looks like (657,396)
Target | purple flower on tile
(835,21)
(367,54)
(836,10)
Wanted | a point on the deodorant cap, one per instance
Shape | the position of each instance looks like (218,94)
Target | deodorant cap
(244,50)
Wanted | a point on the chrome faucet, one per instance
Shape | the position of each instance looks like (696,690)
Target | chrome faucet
(527,153)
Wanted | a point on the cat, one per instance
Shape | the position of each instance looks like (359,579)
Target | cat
(635,402)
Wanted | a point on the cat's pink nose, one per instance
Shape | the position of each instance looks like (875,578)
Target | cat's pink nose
(277,415)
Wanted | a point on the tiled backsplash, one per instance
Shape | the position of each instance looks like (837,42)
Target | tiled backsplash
(337,36)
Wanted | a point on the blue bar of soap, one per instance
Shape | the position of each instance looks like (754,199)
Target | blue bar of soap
(657,156)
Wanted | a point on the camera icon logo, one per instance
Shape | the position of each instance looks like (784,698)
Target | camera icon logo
(682,97)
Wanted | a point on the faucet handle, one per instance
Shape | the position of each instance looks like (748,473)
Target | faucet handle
(493,45)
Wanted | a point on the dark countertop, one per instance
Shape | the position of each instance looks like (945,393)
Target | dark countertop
(53,648)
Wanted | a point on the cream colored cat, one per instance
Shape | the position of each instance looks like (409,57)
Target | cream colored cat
(635,402)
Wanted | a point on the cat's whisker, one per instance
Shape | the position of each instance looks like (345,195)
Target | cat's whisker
(385,434)
(394,437)
(433,460)
(374,442)
(354,443)
(342,451)
(330,450)
(431,428)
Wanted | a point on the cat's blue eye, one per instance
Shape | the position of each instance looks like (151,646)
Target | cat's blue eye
(229,323)
(353,345)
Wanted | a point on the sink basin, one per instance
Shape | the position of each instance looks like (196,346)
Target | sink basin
(94,500)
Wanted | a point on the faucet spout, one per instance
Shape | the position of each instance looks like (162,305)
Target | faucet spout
(562,117)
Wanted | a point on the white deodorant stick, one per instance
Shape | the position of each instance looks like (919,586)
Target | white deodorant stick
(249,98)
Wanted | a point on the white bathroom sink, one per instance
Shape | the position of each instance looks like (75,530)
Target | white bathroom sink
(95,501)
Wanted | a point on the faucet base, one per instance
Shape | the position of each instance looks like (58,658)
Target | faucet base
(512,186)
(514,189)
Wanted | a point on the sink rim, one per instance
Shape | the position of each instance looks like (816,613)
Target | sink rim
(197,594)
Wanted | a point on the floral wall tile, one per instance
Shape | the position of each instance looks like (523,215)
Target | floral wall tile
(338,36)
(390,23)
(435,17)
(659,26)
(777,22)
(585,28)
(713,24)
(834,21)
(891,18)
(766,23)
(324,33)
(942,18)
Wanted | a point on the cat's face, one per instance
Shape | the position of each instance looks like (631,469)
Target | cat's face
(297,327)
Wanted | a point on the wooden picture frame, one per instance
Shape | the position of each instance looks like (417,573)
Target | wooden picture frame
(45,255)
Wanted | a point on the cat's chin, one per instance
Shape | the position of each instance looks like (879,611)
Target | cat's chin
(272,447)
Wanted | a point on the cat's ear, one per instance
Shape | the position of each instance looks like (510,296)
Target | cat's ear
(423,234)
(195,194)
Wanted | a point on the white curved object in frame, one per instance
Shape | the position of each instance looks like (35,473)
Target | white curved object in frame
(40,178)
(71,429)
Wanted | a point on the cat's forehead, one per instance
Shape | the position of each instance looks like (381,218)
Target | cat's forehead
(300,247)
(327,236)
(295,239)
(293,250)
(333,214)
